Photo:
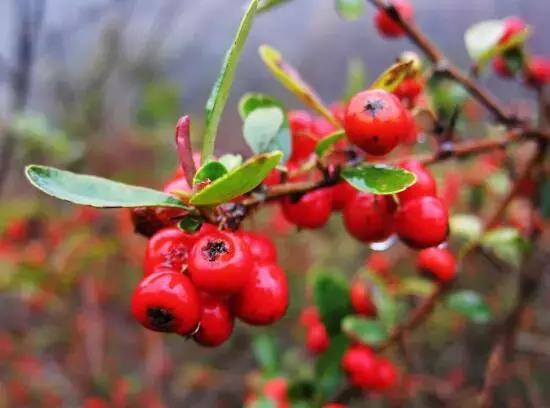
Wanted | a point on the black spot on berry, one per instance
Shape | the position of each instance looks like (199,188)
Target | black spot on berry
(374,106)
(160,318)
(213,249)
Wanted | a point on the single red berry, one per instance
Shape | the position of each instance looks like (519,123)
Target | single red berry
(378,262)
(411,135)
(513,25)
(276,389)
(309,317)
(538,71)
(303,139)
(375,121)
(359,363)
(166,302)
(317,340)
(409,88)
(361,299)
(216,322)
(311,210)
(369,217)
(385,375)
(424,185)
(260,246)
(438,263)
(501,67)
(387,26)
(322,127)
(264,298)
(342,193)
(220,263)
(422,222)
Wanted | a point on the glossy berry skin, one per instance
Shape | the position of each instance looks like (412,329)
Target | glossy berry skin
(438,263)
(387,26)
(342,193)
(537,72)
(264,298)
(216,323)
(220,263)
(375,121)
(369,217)
(166,302)
(302,138)
(386,375)
(411,135)
(317,339)
(409,88)
(422,222)
(425,183)
(512,25)
(361,299)
(360,364)
(260,246)
(312,210)
(501,68)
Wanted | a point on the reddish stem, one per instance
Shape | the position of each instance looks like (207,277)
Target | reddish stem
(185,152)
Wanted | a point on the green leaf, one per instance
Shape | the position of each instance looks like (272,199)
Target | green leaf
(238,181)
(210,171)
(269,4)
(266,129)
(96,191)
(252,101)
(356,79)
(327,142)
(469,304)
(350,9)
(190,223)
(328,372)
(390,79)
(220,92)
(266,353)
(331,296)
(415,286)
(292,80)
(262,402)
(466,226)
(366,331)
(378,178)
(507,244)
(230,161)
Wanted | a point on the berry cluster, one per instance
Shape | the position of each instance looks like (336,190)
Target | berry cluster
(195,283)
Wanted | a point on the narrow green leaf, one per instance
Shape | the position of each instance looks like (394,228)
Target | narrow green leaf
(266,5)
(292,80)
(210,171)
(331,296)
(366,331)
(252,101)
(350,9)
(469,304)
(220,92)
(266,353)
(230,161)
(327,142)
(96,191)
(390,79)
(416,286)
(482,36)
(266,129)
(238,181)
(328,369)
(378,178)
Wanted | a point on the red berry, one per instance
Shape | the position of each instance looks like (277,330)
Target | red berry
(375,121)
(387,26)
(342,193)
(276,389)
(312,210)
(512,25)
(501,67)
(264,298)
(317,340)
(369,217)
(409,88)
(379,263)
(411,134)
(359,363)
(303,139)
(334,405)
(438,263)
(309,317)
(361,299)
(422,222)
(424,185)
(322,127)
(385,375)
(166,302)
(216,322)
(175,185)
(260,246)
(220,263)
(538,71)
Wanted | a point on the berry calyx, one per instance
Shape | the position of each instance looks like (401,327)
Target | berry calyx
(438,263)
(422,222)
(220,263)
(311,210)
(216,323)
(166,302)
(361,299)
(342,193)
(424,185)
(369,217)
(385,23)
(375,121)
(317,339)
(264,298)
(260,246)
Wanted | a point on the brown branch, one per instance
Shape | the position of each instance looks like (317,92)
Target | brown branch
(443,66)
